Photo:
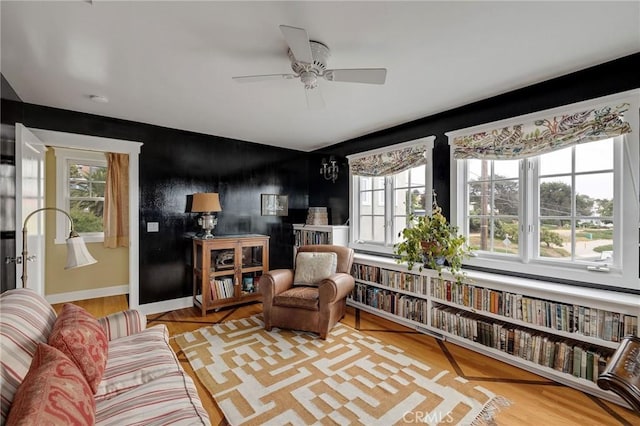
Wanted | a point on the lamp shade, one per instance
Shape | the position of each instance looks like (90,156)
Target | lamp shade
(205,202)
(77,253)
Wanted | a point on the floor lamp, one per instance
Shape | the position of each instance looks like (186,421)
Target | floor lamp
(77,253)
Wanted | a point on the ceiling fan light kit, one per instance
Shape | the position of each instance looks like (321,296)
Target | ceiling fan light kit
(309,62)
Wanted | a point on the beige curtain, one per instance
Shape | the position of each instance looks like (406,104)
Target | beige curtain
(116,201)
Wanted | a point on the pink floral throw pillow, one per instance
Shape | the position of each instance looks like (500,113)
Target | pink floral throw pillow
(81,337)
(54,392)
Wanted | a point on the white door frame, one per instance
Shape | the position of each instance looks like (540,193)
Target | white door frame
(30,151)
(94,143)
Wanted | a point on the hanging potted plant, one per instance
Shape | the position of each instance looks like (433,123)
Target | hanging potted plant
(433,242)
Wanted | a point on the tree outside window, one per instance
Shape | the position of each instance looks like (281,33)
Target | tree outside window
(86,196)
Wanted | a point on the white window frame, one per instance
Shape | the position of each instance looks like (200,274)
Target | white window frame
(387,247)
(63,157)
(624,272)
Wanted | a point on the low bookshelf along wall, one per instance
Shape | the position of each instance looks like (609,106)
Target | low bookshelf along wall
(561,332)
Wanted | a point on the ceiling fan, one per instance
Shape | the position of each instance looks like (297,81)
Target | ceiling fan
(309,63)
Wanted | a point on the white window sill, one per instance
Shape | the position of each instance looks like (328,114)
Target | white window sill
(613,278)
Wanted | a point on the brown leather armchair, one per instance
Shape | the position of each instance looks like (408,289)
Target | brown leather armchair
(315,309)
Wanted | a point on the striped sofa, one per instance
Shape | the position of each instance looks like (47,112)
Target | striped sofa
(142,384)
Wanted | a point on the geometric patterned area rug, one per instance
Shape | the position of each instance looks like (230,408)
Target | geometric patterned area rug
(286,377)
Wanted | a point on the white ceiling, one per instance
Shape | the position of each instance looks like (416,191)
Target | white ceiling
(171,63)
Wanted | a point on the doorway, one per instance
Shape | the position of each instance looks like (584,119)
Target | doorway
(97,144)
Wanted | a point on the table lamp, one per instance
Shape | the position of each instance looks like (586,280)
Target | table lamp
(206,203)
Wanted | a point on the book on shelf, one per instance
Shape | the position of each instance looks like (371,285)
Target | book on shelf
(570,318)
(567,338)
(615,326)
(221,288)
(563,355)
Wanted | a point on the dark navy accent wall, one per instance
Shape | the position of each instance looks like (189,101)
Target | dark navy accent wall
(174,164)
(605,79)
(325,193)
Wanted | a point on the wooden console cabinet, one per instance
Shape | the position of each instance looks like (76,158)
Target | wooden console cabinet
(226,270)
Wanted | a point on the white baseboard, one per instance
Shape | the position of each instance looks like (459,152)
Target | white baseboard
(73,296)
(166,305)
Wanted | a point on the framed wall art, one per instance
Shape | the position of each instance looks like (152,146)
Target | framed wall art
(274,205)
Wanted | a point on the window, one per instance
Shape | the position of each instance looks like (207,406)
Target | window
(571,194)
(384,195)
(567,213)
(80,186)
(493,207)
(575,208)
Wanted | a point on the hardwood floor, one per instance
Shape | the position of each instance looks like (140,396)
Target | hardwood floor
(535,400)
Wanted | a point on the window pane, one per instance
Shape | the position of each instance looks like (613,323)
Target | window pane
(402,179)
(400,201)
(477,170)
(500,235)
(592,188)
(79,187)
(556,162)
(399,224)
(378,202)
(506,235)
(418,200)
(365,228)
(378,229)
(555,239)
(418,176)
(87,215)
(594,156)
(86,181)
(506,197)
(98,173)
(378,183)
(594,241)
(365,183)
(365,203)
(555,196)
(97,189)
(494,206)
(506,168)
(479,198)
(479,233)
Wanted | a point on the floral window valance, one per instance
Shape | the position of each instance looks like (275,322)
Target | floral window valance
(389,162)
(544,135)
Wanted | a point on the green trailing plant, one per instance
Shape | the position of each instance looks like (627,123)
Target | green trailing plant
(433,242)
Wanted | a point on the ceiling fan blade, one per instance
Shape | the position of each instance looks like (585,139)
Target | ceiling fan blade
(256,78)
(358,75)
(298,42)
(314,98)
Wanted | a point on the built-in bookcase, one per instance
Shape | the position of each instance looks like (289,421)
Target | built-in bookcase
(319,234)
(565,333)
